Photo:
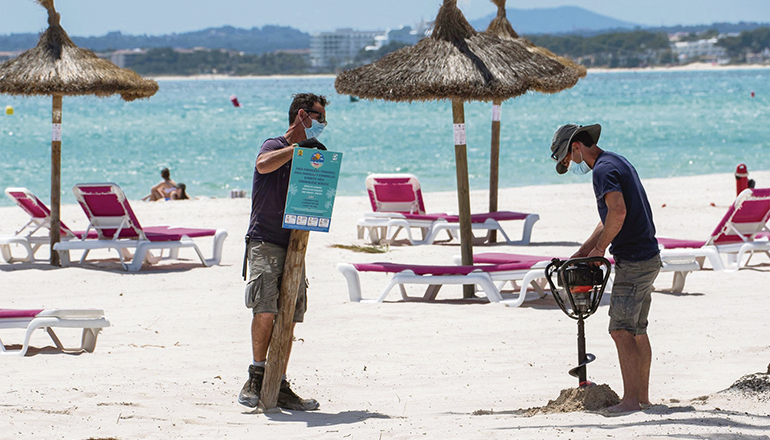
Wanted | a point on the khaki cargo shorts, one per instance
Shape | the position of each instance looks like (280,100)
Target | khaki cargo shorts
(264,286)
(632,294)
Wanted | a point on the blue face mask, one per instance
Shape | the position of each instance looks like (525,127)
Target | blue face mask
(581,168)
(315,129)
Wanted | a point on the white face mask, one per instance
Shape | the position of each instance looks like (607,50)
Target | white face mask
(315,129)
(581,168)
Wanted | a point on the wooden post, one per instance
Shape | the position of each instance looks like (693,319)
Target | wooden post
(280,342)
(494,164)
(463,190)
(55,175)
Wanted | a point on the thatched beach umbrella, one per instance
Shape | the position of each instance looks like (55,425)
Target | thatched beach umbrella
(57,67)
(501,28)
(459,64)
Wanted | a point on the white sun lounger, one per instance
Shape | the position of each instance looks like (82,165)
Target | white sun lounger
(92,321)
(741,233)
(397,206)
(488,278)
(31,237)
(110,214)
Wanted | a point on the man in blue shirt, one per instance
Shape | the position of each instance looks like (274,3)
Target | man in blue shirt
(628,230)
(268,240)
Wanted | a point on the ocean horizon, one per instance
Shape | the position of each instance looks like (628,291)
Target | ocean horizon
(667,123)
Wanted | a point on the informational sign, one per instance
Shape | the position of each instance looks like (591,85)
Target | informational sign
(312,189)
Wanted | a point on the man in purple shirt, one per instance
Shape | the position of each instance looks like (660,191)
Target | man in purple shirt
(268,240)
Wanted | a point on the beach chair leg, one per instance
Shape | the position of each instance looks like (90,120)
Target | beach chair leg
(137,261)
(34,251)
(431,292)
(678,284)
(54,338)
(353,281)
(8,255)
(6,252)
(529,222)
(388,288)
(64,258)
(216,251)
(373,235)
(488,286)
(88,340)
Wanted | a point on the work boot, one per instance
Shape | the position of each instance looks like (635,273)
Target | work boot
(288,399)
(249,395)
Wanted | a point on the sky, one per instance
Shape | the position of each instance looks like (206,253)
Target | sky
(156,17)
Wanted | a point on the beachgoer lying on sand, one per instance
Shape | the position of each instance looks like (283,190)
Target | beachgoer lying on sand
(164,188)
(180,192)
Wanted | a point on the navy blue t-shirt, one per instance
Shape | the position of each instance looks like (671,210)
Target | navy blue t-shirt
(636,239)
(268,199)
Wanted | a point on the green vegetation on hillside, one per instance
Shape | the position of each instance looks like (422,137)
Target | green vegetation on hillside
(754,41)
(170,62)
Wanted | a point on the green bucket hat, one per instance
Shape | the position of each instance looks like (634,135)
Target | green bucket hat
(562,139)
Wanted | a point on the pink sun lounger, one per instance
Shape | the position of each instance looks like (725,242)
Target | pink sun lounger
(92,321)
(741,233)
(489,278)
(397,205)
(117,227)
(35,234)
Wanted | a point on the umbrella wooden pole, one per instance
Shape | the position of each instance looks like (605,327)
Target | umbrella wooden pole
(55,175)
(280,342)
(494,164)
(463,190)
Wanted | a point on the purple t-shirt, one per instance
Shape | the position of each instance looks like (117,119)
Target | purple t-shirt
(268,199)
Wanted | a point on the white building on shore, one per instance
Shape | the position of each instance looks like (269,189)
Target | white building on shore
(339,48)
(703,50)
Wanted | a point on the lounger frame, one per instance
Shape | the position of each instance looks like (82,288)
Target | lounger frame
(92,321)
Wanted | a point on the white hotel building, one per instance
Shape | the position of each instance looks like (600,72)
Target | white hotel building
(338,48)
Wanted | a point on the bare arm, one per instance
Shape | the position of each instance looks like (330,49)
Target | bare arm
(272,160)
(596,245)
(590,242)
(613,223)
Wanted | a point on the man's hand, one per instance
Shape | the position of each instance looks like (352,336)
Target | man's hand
(311,143)
(578,254)
(596,253)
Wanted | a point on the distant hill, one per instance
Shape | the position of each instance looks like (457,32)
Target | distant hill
(564,19)
(253,41)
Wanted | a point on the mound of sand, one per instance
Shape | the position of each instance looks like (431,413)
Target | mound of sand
(591,398)
(755,385)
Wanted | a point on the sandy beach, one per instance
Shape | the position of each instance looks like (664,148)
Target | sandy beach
(176,355)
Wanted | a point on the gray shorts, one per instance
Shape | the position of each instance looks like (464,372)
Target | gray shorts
(632,294)
(264,286)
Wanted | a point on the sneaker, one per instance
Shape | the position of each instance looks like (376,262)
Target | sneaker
(288,399)
(249,395)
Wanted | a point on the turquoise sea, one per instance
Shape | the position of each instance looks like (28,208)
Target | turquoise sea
(671,123)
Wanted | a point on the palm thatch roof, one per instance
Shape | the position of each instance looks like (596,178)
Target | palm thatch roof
(457,63)
(501,27)
(57,66)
